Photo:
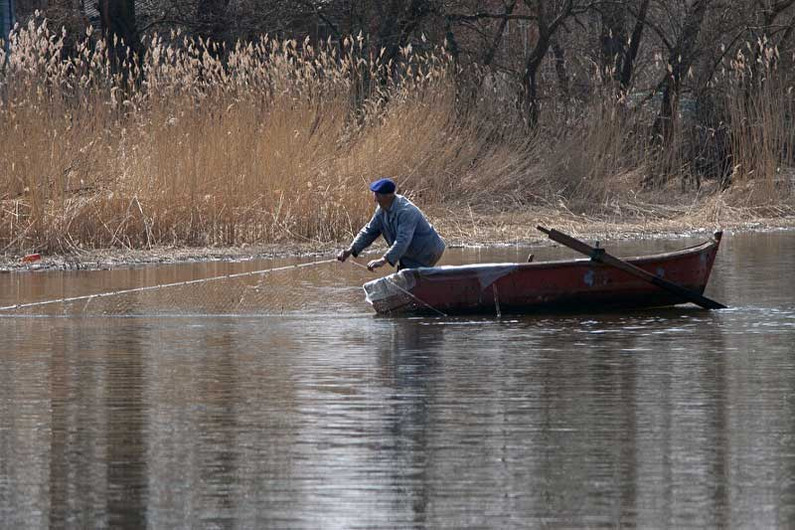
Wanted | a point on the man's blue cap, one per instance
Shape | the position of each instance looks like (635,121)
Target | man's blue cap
(383,186)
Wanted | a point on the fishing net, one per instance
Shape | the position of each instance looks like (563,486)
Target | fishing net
(318,287)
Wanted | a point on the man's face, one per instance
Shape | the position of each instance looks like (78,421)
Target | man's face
(382,200)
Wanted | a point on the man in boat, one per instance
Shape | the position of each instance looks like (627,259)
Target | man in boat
(412,240)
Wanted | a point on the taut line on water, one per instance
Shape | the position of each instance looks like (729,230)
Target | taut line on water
(89,297)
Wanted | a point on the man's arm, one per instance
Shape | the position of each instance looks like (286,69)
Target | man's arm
(364,238)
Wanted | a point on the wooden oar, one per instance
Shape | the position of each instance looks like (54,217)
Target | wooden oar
(599,254)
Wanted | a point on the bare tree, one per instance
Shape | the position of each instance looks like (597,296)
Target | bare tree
(550,15)
(484,32)
(681,56)
(120,30)
(399,19)
(613,37)
(211,19)
(619,49)
(631,51)
(498,35)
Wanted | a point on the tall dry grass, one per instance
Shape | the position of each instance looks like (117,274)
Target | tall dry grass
(275,141)
(735,138)
(762,113)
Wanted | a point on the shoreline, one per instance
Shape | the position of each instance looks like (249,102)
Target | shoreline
(475,231)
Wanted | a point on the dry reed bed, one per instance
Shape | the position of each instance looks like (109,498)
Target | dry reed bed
(276,142)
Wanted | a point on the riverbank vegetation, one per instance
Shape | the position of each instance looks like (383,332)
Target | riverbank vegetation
(197,136)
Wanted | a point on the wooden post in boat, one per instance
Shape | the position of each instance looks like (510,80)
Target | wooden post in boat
(599,254)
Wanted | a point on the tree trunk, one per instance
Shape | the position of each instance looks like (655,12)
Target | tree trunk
(211,17)
(532,64)
(681,58)
(495,45)
(121,33)
(613,39)
(530,93)
(628,64)
(451,42)
(397,24)
(560,68)
(547,26)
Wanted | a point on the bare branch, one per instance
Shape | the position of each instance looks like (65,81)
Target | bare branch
(459,17)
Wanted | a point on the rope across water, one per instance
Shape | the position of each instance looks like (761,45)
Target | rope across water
(16,307)
(88,297)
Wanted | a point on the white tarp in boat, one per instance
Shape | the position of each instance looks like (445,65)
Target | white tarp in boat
(405,280)
(389,286)
(487,273)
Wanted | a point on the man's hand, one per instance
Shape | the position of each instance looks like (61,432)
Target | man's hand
(376,263)
(343,255)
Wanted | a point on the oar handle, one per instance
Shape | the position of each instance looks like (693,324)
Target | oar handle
(596,254)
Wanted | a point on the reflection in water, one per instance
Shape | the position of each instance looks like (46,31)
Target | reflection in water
(410,368)
(126,438)
(219,465)
(327,417)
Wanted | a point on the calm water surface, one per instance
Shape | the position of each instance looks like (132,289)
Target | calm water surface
(280,401)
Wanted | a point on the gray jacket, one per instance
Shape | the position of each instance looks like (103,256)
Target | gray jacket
(410,236)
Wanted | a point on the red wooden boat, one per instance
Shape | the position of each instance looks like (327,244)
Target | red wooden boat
(568,285)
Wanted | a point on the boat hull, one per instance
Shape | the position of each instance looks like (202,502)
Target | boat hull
(571,285)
